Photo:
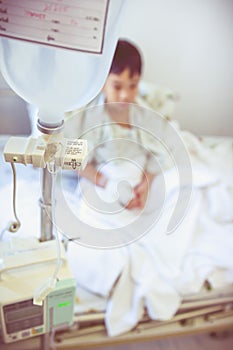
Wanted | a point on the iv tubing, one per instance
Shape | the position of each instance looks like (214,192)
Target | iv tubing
(55,232)
(59,260)
(15,225)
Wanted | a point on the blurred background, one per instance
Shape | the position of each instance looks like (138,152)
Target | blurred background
(187,46)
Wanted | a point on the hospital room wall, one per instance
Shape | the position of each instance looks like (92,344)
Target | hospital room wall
(187,46)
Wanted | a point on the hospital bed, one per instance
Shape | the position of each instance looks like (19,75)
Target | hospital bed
(210,310)
(206,312)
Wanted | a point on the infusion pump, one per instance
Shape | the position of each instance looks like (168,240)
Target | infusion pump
(24,268)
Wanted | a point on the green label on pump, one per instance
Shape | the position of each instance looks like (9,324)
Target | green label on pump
(60,304)
(66,303)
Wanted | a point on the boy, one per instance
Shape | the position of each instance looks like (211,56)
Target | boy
(114,119)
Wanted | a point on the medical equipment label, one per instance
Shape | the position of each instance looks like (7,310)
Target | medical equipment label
(77,25)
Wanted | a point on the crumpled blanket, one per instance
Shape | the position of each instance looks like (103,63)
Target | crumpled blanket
(157,270)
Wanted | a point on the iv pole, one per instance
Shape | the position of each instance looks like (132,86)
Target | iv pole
(46,204)
(48,181)
(46,228)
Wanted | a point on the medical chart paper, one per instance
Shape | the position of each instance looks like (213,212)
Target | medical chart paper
(71,24)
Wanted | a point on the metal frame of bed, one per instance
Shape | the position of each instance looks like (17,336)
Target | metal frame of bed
(210,311)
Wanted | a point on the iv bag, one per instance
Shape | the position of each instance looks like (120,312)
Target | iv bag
(56,80)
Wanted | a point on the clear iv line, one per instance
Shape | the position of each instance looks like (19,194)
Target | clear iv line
(50,283)
(15,225)
(59,260)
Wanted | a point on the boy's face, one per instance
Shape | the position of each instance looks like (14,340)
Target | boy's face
(121,88)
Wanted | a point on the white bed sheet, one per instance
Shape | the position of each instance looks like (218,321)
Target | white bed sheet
(158,271)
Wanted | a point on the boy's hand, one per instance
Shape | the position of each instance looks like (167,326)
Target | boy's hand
(141,192)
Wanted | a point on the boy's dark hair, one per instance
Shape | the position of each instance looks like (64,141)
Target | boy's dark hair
(126,56)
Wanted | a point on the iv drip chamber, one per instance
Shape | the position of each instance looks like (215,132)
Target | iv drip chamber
(56,80)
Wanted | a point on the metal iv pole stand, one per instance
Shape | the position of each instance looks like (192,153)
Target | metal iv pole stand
(46,202)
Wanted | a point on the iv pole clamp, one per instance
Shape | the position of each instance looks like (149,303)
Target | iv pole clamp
(49,151)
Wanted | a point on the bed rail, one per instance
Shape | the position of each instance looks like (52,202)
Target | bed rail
(207,312)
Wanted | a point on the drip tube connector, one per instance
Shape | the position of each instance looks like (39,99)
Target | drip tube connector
(50,129)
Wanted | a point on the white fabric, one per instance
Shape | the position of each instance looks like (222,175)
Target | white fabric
(107,139)
(156,271)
